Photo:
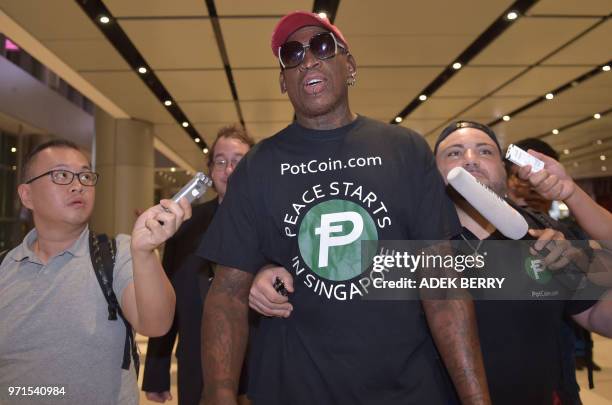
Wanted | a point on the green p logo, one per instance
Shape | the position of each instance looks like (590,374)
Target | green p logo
(535,269)
(330,238)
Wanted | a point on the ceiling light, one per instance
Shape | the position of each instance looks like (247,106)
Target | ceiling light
(168,103)
(205,150)
(322,14)
(13,149)
(104,19)
(398,119)
(604,168)
(142,70)
(506,118)
(422,97)
(197,140)
(597,116)
(173,169)
(555,131)
(605,68)
(576,164)
(566,151)
(185,124)
(512,15)
(457,65)
(598,142)
(549,96)
(602,157)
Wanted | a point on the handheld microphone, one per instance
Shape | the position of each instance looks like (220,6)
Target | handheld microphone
(497,211)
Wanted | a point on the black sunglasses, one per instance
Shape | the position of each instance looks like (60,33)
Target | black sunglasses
(323,46)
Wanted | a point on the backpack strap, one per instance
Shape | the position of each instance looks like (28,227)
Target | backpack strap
(102,251)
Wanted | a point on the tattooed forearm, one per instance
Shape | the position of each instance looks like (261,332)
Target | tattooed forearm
(453,326)
(224,334)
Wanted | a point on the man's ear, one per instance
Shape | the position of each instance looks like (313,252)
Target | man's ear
(25,195)
(281,81)
(351,64)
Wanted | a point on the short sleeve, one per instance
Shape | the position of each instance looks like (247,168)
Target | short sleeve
(433,216)
(232,238)
(123,273)
(585,295)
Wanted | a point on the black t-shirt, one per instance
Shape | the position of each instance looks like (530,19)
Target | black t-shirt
(520,339)
(305,199)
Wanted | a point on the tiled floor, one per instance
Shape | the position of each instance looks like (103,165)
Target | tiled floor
(601,395)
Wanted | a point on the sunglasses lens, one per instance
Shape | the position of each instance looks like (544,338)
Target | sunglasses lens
(323,46)
(291,54)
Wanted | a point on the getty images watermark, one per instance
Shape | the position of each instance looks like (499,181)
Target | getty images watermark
(487,270)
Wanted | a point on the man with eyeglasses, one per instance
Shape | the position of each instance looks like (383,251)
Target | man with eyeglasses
(189,275)
(56,337)
(305,199)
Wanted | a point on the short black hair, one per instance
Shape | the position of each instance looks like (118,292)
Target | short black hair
(539,146)
(54,143)
(456,125)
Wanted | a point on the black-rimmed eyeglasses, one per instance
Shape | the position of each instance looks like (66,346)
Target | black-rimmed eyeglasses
(65,177)
(322,45)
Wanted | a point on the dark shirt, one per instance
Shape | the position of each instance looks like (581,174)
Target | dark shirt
(189,276)
(305,199)
(520,339)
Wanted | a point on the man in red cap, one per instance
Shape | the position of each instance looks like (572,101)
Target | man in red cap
(306,199)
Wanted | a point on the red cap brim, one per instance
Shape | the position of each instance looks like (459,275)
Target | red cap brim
(296,20)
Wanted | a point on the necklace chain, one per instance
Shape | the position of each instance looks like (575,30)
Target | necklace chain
(475,249)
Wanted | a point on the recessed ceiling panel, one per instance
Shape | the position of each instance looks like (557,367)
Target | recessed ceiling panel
(57,19)
(571,7)
(400,50)
(528,127)
(210,111)
(422,126)
(594,48)
(156,8)
(196,85)
(248,41)
(434,17)
(541,80)
(260,7)
(441,108)
(530,39)
(477,81)
(493,108)
(130,93)
(88,54)
(175,43)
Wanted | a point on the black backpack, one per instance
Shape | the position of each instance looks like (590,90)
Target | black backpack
(102,252)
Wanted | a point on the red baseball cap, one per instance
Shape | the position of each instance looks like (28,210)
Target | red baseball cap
(296,20)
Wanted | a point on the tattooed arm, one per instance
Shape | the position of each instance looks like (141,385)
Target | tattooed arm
(224,334)
(453,326)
